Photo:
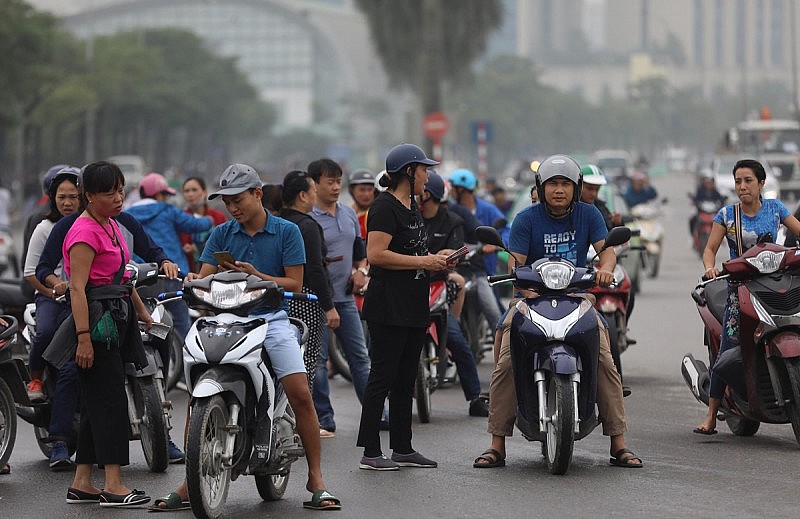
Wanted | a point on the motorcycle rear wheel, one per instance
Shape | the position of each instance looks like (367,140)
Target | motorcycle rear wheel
(742,426)
(422,387)
(207,480)
(337,358)
(559,431)
(8,423)
(175,360)
(793,410)
(152,427)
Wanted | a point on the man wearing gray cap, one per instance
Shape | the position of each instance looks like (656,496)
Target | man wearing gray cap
(271,248)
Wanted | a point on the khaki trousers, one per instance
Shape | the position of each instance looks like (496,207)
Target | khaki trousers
(503,396)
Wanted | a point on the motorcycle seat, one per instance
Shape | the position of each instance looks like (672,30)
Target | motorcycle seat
(11,295)
(716,294)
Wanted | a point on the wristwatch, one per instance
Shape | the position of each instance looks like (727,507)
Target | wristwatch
(363,271)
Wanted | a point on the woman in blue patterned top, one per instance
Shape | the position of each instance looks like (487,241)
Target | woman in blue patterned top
(759,217)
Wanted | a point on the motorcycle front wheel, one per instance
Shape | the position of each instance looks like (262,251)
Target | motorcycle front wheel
(207,479)
(8,423)
(653,264)
(422,387)
(152,428)
(793,410)
(559,432)
(175,360)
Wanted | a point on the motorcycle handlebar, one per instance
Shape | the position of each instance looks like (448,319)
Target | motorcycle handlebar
(299,296)
(170,295)
(500,278)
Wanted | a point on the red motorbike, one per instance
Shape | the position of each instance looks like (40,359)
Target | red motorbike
(703,220)
(615,303)
(763,373)
(433,359)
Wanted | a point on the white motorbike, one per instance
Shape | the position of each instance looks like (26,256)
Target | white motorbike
(651,234)
(239,409)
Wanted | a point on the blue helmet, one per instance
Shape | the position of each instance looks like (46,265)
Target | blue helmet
(404,155)
(435,186)
(464,178)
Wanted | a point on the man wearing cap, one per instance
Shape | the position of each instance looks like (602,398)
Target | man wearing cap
(271,248)
(164,222)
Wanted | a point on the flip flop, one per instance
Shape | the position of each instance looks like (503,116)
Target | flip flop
(496,460)
(620,461)
(701,430)
(172,501)
(325,434)
(323,495)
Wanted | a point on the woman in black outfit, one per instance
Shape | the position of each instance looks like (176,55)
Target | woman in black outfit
(299,195)
(396,307)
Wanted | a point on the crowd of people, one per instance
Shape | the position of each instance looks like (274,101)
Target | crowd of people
(396,237)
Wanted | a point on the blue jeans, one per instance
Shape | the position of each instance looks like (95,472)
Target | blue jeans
(64,403)
(177,309)
(351,340)
(487,300)
(462,356)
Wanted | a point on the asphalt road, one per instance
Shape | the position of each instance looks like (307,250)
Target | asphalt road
(685,475)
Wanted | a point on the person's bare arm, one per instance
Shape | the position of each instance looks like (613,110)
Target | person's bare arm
(81,257)
(379,255)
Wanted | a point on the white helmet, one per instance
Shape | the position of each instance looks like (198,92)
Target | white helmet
(593,175)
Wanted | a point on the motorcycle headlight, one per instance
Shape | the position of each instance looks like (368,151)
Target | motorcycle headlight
(556,276)
(228,295)
(767,261)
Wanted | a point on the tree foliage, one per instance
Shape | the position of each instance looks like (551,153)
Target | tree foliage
(157,93)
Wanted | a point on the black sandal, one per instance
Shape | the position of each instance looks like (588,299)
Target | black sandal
(6,469)
(620,460)
(493,458)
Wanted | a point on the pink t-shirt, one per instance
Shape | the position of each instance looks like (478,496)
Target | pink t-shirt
(107,256)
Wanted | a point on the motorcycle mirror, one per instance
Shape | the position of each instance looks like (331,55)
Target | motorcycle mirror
(617,236)
(489,235)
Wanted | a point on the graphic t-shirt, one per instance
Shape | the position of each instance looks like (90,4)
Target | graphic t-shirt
(536,234)
(767,220)
(398,297)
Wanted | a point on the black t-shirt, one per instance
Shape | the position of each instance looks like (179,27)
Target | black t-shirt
(445,230)
(398,297)
(315,275)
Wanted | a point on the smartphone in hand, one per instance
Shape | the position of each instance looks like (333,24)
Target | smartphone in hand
(224,256)
(457,255)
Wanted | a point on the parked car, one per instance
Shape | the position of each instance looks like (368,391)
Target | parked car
(133,168)
(616,165)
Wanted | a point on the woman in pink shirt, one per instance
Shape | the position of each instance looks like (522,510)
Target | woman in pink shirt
(95,255)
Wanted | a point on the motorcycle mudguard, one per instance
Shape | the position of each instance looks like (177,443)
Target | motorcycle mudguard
(11,371)
(558,358)
(609,304)
(696,376)
(216,380)
(785,345)
(147,371)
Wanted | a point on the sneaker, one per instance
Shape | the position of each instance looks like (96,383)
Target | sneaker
(175,454)
(415,459)
(378,463)
(35,390)
(479,407)
(59,457)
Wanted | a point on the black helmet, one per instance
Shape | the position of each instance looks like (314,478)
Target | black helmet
(65,173)
(404,155)
(435,186)
(559,166)
(50,175)
(361,176)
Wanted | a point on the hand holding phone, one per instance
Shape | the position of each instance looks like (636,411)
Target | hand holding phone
(224,256)
(457,255)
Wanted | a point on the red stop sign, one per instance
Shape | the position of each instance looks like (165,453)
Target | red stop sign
(435,125)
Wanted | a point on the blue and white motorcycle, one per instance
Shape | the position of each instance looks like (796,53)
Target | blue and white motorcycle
(554,350)
(236,399)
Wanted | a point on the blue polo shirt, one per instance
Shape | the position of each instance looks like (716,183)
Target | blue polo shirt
(277,245)
(340,232)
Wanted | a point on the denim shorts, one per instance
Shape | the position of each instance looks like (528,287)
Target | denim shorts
(282,346)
